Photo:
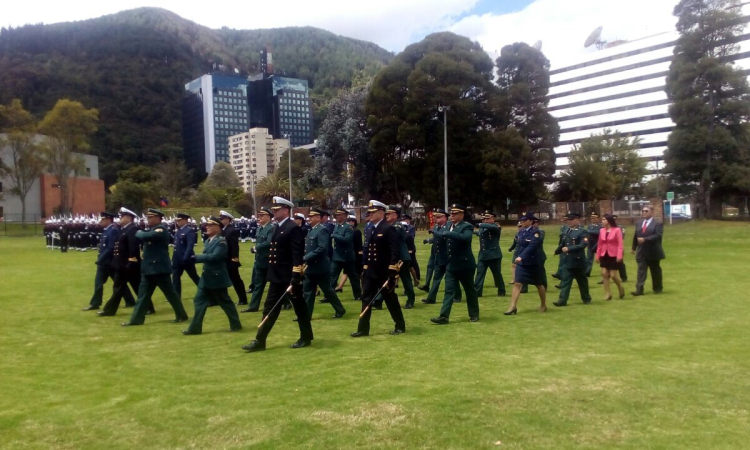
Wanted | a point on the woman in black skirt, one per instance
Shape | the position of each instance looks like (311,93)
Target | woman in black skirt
(609,254)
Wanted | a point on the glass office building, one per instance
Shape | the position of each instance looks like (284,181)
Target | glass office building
(283,106)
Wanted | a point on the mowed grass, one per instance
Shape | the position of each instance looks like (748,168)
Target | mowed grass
(656,372)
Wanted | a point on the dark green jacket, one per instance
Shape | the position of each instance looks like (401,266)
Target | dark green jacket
(316,251)
(489,241)
(593,230)
(343,239)
(156,258)
(403,249)
(214,259)
(563,231)
(460,255)
(440,245)
(263,240)
(576,239)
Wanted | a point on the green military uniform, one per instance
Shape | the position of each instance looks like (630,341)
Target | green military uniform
(563,232)
(344,257)
(263,238)
(318,271)
(490,257)
(574,264)
(461,267)
(440,249)
(593,230)
(404,273)
(213,285)
(156,271)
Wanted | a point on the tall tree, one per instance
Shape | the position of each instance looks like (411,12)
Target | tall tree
(524,81)
(585,180)
(301,163)
(402,108)
(620,157)
(174,181)
(68,127)
(276,184)
(24,152)
(223,176)
(710,145)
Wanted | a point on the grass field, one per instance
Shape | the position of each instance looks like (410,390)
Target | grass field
(656,372)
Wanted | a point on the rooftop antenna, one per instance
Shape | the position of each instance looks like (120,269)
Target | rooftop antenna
(538,45)
(595,38)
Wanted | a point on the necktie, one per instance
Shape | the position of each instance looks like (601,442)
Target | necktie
(645,224)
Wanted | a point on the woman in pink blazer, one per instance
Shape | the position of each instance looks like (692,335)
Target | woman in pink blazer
(609,253)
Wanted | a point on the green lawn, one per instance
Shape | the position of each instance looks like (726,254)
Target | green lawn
(656,372)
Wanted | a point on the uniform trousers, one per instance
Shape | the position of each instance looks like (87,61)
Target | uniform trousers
(438,277)
(239,286)
(148,285)
(466,279)
(120,289)
(644,265)
(275,291)
(568,275)
(259,285)
(323,281)
(590,253)
(350,270)
(219,297)
(103,273)
(370,287)
(497,275)
(177,275)
(405,275)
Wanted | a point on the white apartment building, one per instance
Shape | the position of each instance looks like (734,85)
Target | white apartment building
(621,88)
(254,155)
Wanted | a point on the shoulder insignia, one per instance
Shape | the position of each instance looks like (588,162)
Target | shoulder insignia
(222,242)
(159,230)
(536,235)
(380,235)
(585,239)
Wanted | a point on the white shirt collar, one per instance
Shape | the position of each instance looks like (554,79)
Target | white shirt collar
(377,223)
(283,221)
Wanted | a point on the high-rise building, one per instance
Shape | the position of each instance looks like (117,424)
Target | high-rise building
(255,154)
(214,107)
(621,88)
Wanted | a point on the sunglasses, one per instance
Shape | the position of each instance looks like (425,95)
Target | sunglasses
(645,210)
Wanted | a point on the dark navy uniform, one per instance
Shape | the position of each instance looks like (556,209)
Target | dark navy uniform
(126,265)
(232,236)
(103,261)
(182,258)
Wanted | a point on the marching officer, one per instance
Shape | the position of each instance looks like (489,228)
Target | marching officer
(529,270)
(232,236)
(184,250)
(263,238)
(392,214)
(358,250)
(490,255)
(572,252)
(214,280)
(440,251)
(461,265)
(156,269)
(563,231)
(343,253)
(126,264)
(541,254)
(318,270)
(381,270)
(411,234)
(593,229)
(284,277)
(103,261)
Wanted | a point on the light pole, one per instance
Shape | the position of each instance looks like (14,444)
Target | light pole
(444,110)
(289,151)
(252,189)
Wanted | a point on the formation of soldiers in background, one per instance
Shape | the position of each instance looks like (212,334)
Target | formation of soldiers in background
(300,258)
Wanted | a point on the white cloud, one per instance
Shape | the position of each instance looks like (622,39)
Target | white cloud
(564,25)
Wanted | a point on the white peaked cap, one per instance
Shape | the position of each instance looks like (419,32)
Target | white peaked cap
(223,213)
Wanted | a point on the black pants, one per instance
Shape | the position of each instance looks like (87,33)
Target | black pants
(103,273)
(415,266)
(120,290)
(644,265)
(239,285)
(177,274)
(275,291)
(370,288)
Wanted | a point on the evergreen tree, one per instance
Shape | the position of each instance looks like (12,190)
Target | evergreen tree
(710,145)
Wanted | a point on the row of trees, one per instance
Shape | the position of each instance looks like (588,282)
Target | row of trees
(51,145)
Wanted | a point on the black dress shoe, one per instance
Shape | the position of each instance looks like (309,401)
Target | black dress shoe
(189,333)
(555,276)
(501,294)
(557,286)
(428,302)
(339,315)
(512,312)
(600,282)
(180,320)
(254,346)
(234,330)
(396,332)
(587,303)
(129,324)
(129,306)
(211,305)
(250,310)
(324,301)
(301,343)
(658,292)
(90,308)
(473,319)
(636,293)
(104,314)
(440,320)
(249,291)
(424,288)
(338,290)
(408,306)
(241,303)
(559,304)
(458,301)
(377,306)
(286,306)
(357,334)
(148,313)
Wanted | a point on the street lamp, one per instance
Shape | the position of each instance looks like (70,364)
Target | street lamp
(289,151)
(444,110)
(252,190)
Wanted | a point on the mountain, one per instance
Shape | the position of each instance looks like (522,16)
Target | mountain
(133,67)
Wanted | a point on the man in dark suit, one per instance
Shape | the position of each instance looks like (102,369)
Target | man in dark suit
(648,251)
(284,277)
(357,241)
(232,236)
(381,266)
(106,251)
(126,264)
(184,250)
